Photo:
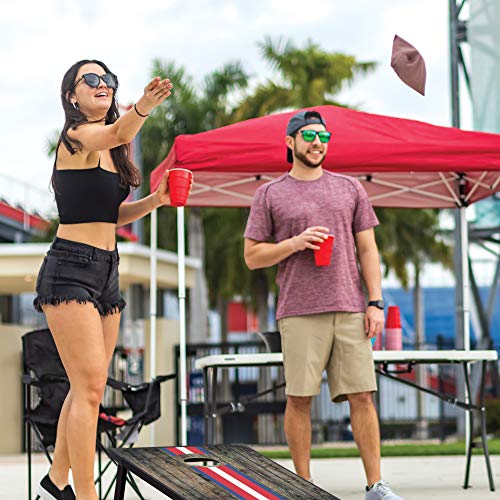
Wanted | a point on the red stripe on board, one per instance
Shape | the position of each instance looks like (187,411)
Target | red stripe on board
(175,451)
(248,482)
(232,487)
(193,449)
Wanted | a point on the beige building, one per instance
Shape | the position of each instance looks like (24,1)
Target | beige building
(19,264)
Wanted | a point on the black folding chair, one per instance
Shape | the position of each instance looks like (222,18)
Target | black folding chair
(46,386)
(144,401)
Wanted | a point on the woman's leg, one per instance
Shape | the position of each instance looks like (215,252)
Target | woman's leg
(78,334)
(110,327)
(60,467)
(59,470)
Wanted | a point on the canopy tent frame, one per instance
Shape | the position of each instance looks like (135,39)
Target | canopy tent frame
(403,163)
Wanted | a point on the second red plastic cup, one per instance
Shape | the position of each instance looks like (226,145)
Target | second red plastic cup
(324,254)
(179,180)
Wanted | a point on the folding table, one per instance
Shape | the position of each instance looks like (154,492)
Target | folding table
(211,364)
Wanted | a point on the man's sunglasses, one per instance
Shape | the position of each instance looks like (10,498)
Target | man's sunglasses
(310,135)
(93,80)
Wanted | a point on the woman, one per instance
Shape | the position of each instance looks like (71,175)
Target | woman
(77,286)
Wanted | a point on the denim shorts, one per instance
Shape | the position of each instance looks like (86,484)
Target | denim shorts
(73,271)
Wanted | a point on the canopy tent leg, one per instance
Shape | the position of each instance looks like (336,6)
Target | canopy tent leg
(181,270)
(153,306)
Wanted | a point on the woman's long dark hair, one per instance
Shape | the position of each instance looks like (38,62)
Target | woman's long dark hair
(129,173)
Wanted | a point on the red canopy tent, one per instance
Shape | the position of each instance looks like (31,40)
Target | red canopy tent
(401,163)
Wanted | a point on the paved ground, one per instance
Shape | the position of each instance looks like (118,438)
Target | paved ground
(415,478)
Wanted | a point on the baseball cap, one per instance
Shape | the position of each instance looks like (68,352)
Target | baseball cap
(299,120)
(408,64)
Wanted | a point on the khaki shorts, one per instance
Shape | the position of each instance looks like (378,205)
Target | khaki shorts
(335,342)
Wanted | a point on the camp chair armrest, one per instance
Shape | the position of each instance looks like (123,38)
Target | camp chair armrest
(29,380)
(49,379)
(163,378)
(43,380)
(118,385)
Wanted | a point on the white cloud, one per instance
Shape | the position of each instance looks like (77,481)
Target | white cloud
(39,40)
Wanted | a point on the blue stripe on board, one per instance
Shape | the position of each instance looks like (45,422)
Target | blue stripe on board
(169,452)
(213,480)
(255,481)
(201,449)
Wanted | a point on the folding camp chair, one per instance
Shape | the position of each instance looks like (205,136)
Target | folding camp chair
(45,389)
(144,401)
(46,386)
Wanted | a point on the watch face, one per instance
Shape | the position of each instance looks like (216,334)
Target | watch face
(377,303)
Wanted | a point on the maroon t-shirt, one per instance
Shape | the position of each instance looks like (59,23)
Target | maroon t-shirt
(286,207)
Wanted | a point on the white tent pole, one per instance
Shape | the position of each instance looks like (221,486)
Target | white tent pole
(182,321)
(464,244)
(152,306)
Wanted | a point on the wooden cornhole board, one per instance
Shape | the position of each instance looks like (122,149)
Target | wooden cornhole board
(216,472)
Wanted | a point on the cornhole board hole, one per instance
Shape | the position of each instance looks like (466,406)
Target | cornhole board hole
(212,472)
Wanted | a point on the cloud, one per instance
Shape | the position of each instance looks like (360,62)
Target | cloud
(40,40)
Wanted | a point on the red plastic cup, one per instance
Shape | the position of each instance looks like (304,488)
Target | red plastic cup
(393,330)
(324,254)
(179,180)
(393,319)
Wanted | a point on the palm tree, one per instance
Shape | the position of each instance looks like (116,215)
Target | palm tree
(192,108)
(303,77)
(410,238)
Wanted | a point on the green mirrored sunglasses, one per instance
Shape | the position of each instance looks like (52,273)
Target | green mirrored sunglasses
(310,135)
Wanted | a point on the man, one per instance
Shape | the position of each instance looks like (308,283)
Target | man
(322,315)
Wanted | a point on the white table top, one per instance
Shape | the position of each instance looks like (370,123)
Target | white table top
(438,357)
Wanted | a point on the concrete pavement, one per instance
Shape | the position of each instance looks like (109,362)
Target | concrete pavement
(414,478)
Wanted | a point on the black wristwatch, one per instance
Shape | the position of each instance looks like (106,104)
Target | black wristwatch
(377,303)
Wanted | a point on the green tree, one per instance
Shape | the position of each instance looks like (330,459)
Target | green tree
(302,77)
(409,238)
(193,107)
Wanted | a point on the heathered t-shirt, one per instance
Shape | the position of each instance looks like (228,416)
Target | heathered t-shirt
(286,207)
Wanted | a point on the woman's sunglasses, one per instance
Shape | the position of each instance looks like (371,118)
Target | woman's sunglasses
(310,135)
(93,80)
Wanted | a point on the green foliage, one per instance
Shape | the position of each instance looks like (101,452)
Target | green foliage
(196,107)
(226,271)
(391,450)
(409,236)
(304,77)
(493,416)
(51,143)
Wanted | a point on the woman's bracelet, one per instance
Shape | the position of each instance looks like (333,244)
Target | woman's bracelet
(140,114)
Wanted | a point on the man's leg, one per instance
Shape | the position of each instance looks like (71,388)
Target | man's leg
(366,433)
(298,432)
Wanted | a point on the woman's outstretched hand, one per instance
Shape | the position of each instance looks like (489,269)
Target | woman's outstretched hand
(155,92)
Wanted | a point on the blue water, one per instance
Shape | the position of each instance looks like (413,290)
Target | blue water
(439,309)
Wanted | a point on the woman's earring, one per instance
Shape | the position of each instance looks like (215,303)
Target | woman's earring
(75,105)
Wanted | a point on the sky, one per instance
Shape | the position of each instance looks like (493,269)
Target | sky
(40,40)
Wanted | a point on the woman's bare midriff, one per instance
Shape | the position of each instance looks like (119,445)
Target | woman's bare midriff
(98,234)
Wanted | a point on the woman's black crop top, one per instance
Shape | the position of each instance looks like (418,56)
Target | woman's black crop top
(88,195)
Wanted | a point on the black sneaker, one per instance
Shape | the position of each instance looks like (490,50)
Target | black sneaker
(49,491)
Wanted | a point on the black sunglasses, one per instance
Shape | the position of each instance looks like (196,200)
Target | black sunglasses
(310,135)
(93,80)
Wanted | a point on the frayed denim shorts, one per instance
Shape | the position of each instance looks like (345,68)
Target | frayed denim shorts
(73,271)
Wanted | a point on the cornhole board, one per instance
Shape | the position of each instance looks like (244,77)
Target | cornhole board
(216,472)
